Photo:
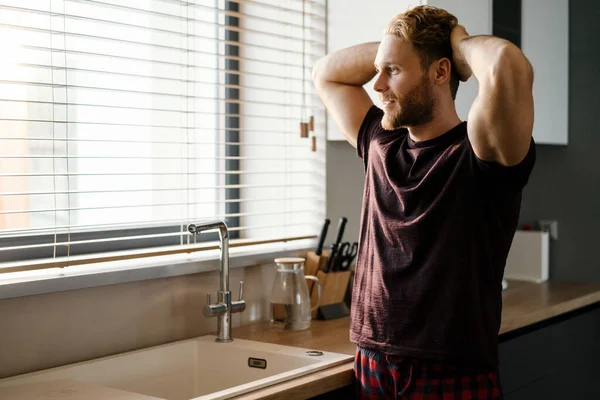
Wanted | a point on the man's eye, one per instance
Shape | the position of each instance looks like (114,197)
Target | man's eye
(392,70)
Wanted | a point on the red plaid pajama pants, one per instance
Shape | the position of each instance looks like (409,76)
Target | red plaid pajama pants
(381,376)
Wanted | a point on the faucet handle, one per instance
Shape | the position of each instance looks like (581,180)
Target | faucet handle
(239,305)
(241,296)
(211,310)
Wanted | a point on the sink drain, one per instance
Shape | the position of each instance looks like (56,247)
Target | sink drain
(314,353)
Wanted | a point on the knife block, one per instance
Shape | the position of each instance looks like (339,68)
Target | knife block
(313,264)
(335,285)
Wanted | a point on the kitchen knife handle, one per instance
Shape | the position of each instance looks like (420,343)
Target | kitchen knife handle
(331,260)
(322,237)
(340,231)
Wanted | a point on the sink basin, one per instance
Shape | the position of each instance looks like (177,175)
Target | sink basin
(197,368)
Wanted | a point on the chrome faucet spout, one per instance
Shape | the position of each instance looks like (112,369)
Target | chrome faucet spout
(221,226)
(224,306)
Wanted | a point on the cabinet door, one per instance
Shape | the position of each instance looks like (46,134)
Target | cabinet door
(352,22)
(545,42)
(557,361)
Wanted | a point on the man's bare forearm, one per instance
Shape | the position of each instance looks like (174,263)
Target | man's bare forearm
(491,58)
(349,66)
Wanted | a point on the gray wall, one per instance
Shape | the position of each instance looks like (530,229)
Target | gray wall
(565,184)
(345,180)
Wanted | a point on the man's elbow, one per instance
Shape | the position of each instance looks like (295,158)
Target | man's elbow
(318,71)
(512,64)
(528,71)
(523,68)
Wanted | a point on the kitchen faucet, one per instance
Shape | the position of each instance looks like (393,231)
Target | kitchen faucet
(224,306)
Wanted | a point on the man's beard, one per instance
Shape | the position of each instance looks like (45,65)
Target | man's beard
(412,109)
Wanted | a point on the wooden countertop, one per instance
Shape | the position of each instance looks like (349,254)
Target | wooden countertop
(67,389)
(524,304)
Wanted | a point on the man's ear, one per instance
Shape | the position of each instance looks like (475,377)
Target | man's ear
(443,71)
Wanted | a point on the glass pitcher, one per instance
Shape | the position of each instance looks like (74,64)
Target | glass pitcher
(290,300)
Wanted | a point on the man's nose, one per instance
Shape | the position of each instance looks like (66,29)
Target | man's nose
(380,85)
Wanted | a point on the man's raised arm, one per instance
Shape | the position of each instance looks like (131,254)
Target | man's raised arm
(339,78)
(501,117)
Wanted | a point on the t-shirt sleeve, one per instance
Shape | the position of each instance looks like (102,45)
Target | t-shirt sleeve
(369,127)
(512,178)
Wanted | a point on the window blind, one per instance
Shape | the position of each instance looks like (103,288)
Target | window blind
(122,121)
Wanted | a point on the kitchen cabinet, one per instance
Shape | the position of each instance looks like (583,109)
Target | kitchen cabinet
(544,40)
(553,360)
(348,392)
(558,360)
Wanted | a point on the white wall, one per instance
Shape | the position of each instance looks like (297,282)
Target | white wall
(351,22)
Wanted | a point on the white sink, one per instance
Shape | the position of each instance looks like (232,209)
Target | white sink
(196,368)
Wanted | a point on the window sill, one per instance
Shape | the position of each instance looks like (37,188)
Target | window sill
(115,272)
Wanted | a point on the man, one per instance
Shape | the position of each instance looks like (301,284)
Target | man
(441,201)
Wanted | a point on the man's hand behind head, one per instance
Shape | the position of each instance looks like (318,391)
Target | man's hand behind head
(462,68)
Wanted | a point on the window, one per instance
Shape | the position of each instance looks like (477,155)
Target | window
(121,121)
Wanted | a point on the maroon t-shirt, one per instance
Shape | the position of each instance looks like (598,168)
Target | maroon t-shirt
(436,227)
